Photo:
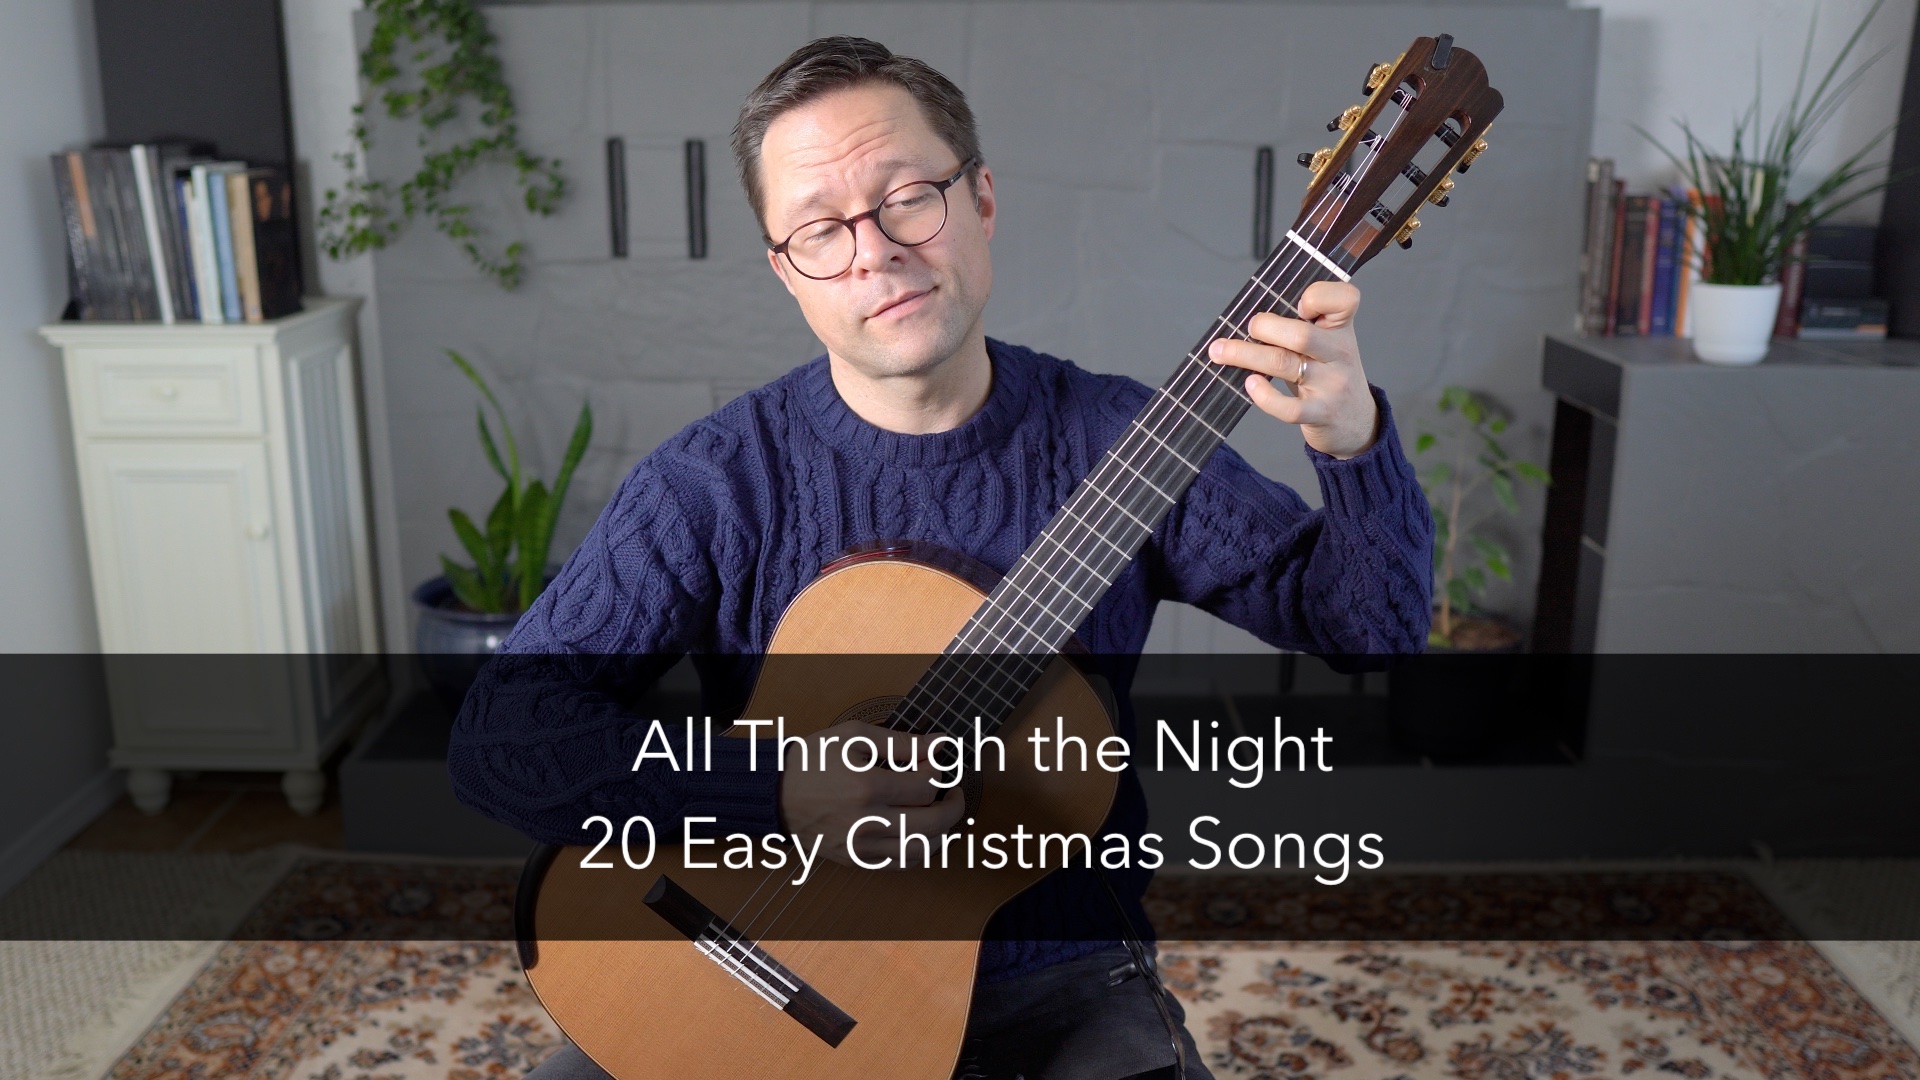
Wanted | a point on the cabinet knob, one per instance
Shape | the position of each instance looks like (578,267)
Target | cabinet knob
(257,532)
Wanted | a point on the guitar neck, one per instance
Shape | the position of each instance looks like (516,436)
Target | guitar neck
(1032,613)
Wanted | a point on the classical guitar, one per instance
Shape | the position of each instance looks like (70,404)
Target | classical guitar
(691,973)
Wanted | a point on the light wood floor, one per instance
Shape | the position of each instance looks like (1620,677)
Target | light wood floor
(215,812)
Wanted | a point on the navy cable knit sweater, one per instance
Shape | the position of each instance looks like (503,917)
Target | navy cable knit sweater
(712,534)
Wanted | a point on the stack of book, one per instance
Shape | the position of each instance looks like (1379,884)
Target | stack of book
(1839,300)
(1639,261)
(162,233)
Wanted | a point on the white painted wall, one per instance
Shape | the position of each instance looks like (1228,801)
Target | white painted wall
(323,83)
(1695,59)
(53,777)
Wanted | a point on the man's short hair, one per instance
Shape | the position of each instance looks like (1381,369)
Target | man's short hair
(826,64)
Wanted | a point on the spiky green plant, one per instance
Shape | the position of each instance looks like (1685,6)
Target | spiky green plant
(1477,459)
(1749,218)
(510,554)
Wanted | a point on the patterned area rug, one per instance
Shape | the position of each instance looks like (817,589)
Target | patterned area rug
(294,1009)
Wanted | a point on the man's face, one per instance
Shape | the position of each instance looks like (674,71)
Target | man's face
(897,310)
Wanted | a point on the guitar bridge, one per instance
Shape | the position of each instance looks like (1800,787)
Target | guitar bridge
(718,941)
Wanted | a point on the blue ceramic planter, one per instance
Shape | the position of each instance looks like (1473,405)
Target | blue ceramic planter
(453,644)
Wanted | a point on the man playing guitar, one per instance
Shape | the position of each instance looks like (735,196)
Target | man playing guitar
(867,176)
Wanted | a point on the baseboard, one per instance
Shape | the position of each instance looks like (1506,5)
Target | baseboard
(59,825)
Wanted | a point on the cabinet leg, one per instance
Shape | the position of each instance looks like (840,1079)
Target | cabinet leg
(305,789)
(150,789)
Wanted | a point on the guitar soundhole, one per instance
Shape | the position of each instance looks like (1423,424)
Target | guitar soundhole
(873,710)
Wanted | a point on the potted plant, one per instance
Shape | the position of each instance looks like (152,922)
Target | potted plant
(1463,556)
(1749,218)
(1458,706)
(467,610)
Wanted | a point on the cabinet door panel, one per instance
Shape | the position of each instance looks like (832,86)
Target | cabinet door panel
(183,553)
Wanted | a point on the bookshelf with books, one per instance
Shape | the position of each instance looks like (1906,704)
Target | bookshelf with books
(1639,260)
(165,232)
(1641,257)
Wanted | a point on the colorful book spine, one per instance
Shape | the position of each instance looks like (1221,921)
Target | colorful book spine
(276,243)
(76,217)
(1690,261)
(182,197)
(245,269)
(1666,258)
(1596,261)
(223,245)
(1633,264)
(150,227)
(1649,251)
(1793,279)
(206,263)
(1619,240)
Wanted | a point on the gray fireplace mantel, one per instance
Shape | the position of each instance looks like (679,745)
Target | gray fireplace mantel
(1701,508)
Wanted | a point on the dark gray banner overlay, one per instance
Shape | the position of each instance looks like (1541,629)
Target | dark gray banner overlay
(1246,797)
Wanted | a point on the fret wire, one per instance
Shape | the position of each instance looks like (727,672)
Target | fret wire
(1012,580)
(1147,480)
(973,683)
(1237,411)
(1004,640)
(1151,434)
(973,678)
(1068,518)
(1068,589)
(938,670)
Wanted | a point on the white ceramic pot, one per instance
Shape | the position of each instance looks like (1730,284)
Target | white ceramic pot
(1732,324)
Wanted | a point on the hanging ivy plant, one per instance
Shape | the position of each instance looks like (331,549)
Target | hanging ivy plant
(450,53)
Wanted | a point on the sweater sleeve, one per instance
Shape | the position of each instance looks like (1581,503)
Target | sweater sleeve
(1355,576)
(546,738)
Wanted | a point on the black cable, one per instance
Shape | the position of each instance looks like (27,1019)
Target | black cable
(1151,973)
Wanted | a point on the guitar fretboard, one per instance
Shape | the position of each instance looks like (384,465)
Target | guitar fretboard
(1032,613)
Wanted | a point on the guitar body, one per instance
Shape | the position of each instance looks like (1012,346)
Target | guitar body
(893,950)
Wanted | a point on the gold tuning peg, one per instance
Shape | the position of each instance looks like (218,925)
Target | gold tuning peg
(1318,159)
(1377,76)
(1473,153)
(1438,196)
(1347,119)
(1405,236)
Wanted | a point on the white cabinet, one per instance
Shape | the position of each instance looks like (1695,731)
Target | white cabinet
(222,484)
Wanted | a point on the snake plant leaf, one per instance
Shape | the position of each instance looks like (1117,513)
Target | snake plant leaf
(467,587)
(506,429)
(576,449)
(500,538)
(486,443)
(471,539)
(531,571)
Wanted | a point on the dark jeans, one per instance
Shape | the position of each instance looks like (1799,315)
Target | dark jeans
(1059,1023)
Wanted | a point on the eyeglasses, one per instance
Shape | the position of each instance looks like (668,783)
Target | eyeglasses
(909,215)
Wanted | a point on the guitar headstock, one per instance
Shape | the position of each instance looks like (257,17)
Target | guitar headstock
(1424,120)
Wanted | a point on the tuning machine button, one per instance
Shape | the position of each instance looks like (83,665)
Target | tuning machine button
(1316,160)
(1438,196)
(1377,77)
(1473,154)
(1346,119)
(1405,236)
